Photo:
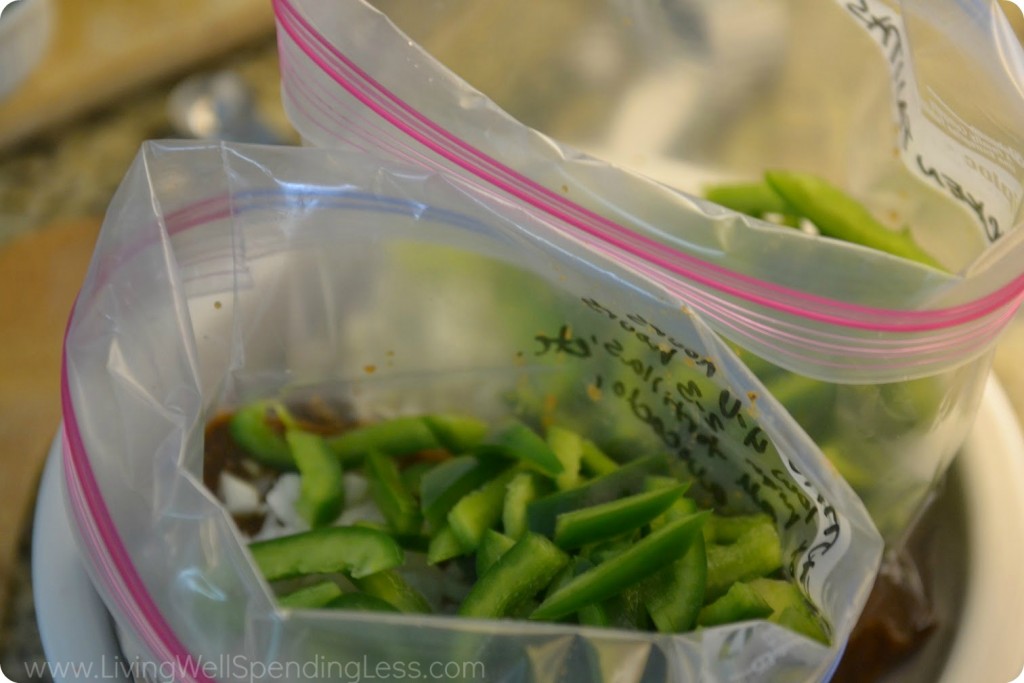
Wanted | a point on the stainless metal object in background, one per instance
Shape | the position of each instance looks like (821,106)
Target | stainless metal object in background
(218,106)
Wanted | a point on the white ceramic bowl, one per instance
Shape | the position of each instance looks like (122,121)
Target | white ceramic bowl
(25,31)
(987,639)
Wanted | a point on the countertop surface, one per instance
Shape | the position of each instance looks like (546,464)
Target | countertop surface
(54,188)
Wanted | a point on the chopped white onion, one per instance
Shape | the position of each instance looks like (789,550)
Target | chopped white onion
(239,496)
(282,498)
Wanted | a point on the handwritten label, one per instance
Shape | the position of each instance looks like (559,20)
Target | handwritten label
(989,193)
(813,560)
(670,389)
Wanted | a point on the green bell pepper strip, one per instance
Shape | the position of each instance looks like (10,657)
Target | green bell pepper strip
(624,610)
(599,522)
(726,529)
(594,461)
(625,480)
(492,547)
(397,436)
(756,553)
(613,547)
(790,608)
(518,442)
(751,198)
(444,545)
(674,595)
(388,585)
(321,488)
(415,542)
(355,551)
(412,475)
(594,614)
(614,575)
(568,448)
(447,483)
(250,429)
(457,433)
(396,503)
(361,602)
(524,488)
(522,572)
(804,623)
(739,603)
(657,482)
(840,216)
(589,615)
(627,610)
(310,597)
(480,510)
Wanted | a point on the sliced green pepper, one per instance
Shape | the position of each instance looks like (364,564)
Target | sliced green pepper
(444,545)
(398,436)
(790,608)
(594,461)
(480,510)
(641,560)
(388,585)
(515,578)
(751,198)
(568,448)
(447,483)
(356,551)
(596,613)
(626,610)
(396,503)
(310,597)
(412,475)
(457,433)
(518,442)
(739,603)
(625,480)
(492,547)
(803,622)
(674,595)
(838,215)
(250,429)
(524,488)
(605,520)
(756,553)
(725,529)
(415,542)
(322,488)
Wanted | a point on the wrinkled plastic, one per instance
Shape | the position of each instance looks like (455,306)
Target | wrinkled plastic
(610,118)
(226,273)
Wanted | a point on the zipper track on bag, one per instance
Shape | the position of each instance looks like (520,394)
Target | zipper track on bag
(863,354)
(414,124)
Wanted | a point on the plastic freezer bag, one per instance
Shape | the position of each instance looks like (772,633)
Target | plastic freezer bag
(228,273)
(913,107)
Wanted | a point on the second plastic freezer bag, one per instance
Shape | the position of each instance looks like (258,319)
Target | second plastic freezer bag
(225,276)
(610,119)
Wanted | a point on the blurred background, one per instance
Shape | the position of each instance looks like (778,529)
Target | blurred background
(82,84)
